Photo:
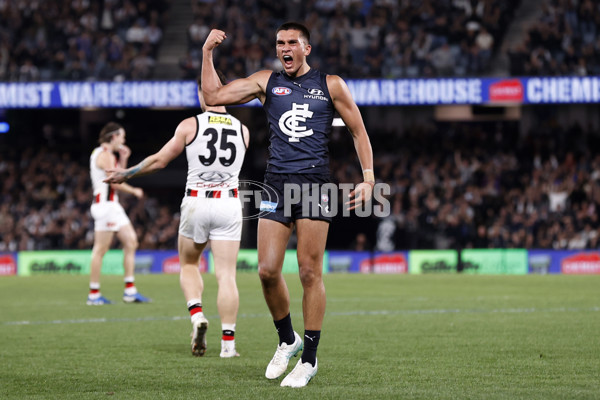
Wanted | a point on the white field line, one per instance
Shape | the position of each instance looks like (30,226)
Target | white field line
(329,314)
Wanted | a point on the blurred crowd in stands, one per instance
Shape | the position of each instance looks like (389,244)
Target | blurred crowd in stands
(357,39)
(79,39)
(469,185)
(564,41)
(45,198)
(120,39)
(466,185)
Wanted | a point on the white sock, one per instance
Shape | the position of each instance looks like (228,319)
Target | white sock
(130,291)
(228,343)
(94,286)
(193,302)
(228,327)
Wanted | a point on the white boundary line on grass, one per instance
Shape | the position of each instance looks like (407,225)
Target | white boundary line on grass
(330,314)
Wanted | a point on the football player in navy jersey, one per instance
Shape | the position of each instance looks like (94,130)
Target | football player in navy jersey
(300,104)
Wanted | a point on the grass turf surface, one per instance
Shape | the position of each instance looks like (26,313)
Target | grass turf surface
(384,336)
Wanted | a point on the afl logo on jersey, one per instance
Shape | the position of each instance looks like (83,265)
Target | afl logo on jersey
(281,91)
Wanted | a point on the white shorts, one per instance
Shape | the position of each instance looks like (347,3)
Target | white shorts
(109,216)
(208,218)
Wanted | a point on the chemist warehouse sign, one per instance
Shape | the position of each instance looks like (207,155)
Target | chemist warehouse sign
(400,92)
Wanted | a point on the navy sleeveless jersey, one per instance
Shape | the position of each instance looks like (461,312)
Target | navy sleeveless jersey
(299,112)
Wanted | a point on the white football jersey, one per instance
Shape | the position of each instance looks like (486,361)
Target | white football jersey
(97,176)
(216,154)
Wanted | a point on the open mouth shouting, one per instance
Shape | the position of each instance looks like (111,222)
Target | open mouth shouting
(288,61)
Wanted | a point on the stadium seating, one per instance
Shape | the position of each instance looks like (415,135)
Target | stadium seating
(473,188)
(79,40)
(563,41)
(387,39)
(67,40)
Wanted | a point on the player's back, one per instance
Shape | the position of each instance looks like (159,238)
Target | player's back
(216,154)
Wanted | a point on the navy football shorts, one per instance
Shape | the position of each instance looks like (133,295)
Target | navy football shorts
(288,197)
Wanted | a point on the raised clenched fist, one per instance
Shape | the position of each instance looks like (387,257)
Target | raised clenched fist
(215,38)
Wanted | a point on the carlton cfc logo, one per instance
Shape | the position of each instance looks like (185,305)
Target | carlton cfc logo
(281,91)
(292,122)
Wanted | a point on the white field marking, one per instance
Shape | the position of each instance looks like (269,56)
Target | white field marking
(330,314)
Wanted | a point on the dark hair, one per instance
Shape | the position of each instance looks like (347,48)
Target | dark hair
(297,27)
(108,131)
(219,74)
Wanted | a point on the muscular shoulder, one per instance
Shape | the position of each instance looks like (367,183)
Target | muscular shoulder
(337,87)
(186,130)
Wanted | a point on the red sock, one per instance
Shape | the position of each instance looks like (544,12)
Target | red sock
(196,308)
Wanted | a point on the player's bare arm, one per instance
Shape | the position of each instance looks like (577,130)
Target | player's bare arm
(238,91)
(184,134)
(107,160)
(126,188)
(349,112)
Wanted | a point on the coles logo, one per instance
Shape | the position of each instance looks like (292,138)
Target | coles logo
(8,265)
(385,264)
(506,90)
(171,265)
(582,263)
(281,91)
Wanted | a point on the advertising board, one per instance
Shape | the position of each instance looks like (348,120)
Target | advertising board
(366,92)
(495,261)
(432,261)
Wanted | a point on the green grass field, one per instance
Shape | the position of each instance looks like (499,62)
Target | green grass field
(384,337)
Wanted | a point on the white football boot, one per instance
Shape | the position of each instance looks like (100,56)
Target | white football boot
(282,356)
(300,375)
